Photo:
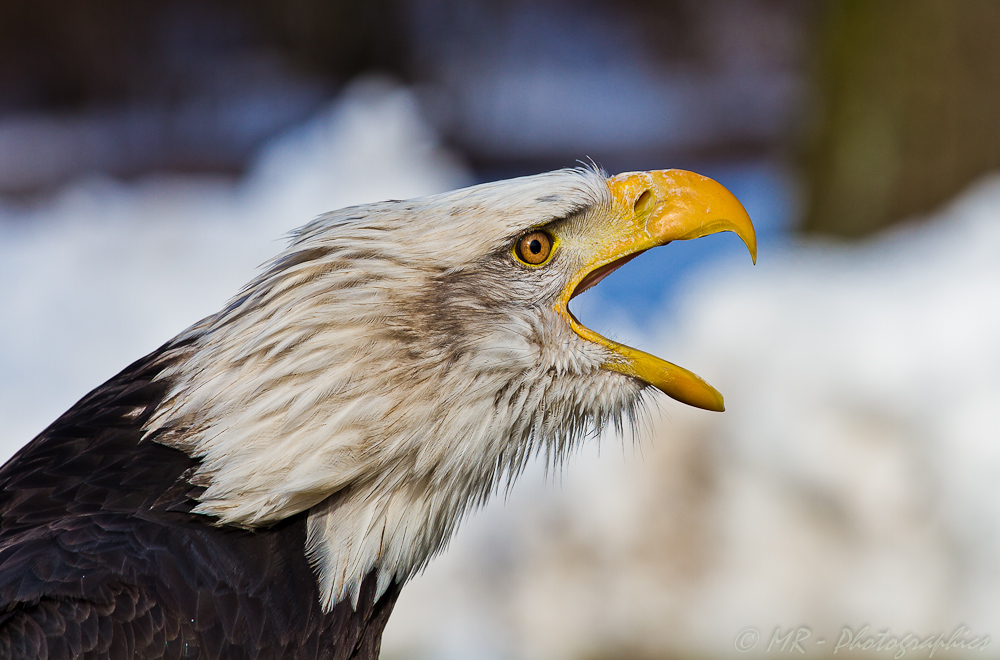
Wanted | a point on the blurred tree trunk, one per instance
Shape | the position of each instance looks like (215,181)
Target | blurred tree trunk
(909,105)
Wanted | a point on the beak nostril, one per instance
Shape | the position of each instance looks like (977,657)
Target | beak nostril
(643,203)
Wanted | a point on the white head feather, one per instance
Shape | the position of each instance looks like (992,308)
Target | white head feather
(389,371)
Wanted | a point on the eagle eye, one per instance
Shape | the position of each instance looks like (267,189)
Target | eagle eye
(534,247)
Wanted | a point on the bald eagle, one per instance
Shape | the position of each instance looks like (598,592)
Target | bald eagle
(263,484)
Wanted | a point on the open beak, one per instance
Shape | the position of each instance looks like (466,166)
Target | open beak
(651,209)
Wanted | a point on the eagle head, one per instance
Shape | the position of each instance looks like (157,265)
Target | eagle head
(400,361)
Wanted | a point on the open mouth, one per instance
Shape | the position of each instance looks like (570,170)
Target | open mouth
(651,209)
(593,278)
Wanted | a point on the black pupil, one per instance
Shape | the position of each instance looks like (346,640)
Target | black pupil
(535,246)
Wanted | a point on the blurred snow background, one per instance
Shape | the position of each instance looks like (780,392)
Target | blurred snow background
(852,481)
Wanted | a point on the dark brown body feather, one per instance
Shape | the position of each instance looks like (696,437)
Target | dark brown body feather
(101,557)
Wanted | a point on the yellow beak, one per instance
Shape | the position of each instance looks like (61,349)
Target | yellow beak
(651,209)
